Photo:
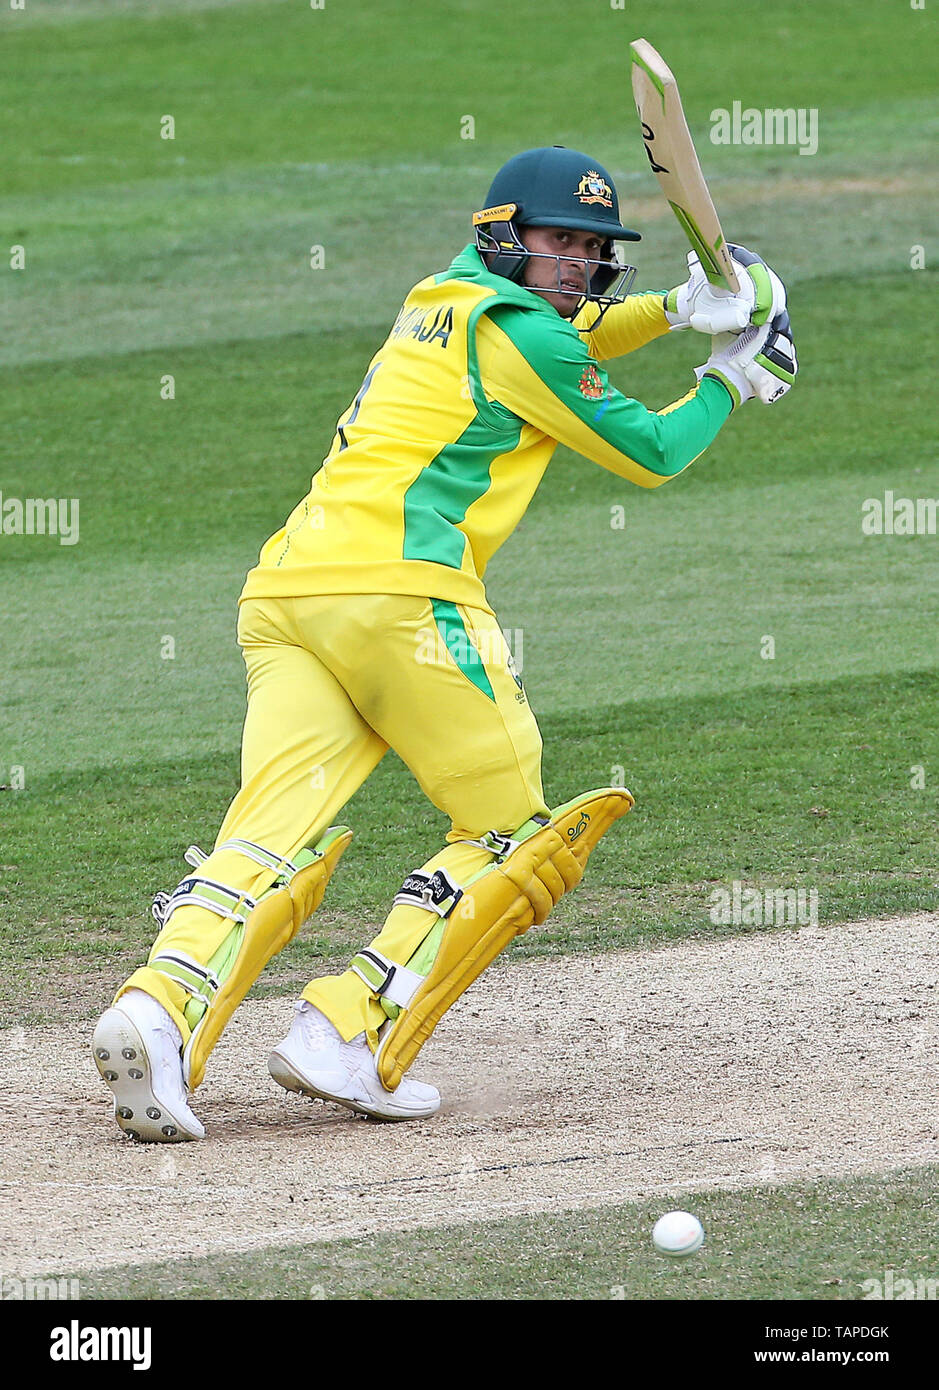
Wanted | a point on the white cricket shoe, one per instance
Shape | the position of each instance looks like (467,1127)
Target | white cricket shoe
(314,1060)
(136,1047)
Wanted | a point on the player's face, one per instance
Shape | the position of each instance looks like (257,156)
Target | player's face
(572,247)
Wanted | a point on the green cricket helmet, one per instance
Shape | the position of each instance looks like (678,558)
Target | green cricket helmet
(555,187)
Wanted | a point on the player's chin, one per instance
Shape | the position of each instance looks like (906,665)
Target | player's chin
(566,303)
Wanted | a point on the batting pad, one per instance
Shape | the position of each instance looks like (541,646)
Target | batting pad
(269,926)
(501,902)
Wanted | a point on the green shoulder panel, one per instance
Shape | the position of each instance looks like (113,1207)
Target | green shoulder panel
(437,501)
(469,265)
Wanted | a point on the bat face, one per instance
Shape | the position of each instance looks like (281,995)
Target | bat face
(674,162)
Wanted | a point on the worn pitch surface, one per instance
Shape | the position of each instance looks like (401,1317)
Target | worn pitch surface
(566,1083)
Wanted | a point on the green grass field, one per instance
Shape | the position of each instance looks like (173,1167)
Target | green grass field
(816,1241)
(642,644)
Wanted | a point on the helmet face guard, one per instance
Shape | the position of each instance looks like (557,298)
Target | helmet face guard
(607,279)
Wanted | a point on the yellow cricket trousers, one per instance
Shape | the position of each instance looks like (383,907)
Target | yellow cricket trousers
(333,682)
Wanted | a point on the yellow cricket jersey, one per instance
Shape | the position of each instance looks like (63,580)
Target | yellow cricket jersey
(438,456)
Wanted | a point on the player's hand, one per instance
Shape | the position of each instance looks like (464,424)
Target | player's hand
(731,354)
(769,290)
(715,309)
(760,361)
(774,368)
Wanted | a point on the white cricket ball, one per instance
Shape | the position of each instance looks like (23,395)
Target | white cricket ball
(678,1233)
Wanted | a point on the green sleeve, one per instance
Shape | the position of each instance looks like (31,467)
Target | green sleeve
(545,374)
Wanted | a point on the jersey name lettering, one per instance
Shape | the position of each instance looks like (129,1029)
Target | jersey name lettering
(423,326)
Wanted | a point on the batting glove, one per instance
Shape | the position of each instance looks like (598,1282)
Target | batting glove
(760,361)
(773,370)
(731,354)
(715,309)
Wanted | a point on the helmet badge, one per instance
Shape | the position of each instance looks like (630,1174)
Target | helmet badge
(594,189)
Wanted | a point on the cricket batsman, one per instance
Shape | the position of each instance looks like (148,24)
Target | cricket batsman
(366,626)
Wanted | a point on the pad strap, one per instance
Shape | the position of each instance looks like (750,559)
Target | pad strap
(203,892)
(501,846)
(437,892)
(277,863)
(218,897)
(496,844)
(386,977)
(198,980)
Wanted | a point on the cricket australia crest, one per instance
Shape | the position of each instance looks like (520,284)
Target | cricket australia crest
(590,384)
(594,189)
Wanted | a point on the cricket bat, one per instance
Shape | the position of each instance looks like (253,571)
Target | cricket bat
(674,162)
